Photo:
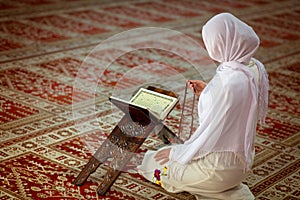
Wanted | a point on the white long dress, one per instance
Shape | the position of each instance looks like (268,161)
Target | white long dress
(218,175)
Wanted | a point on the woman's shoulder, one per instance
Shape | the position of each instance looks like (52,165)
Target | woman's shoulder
(232,78)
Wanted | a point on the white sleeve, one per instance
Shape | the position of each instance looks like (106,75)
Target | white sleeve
(213,106)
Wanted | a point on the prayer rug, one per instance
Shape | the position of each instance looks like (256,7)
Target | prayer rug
(61,60)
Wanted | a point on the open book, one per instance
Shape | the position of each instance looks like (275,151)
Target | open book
(158,104)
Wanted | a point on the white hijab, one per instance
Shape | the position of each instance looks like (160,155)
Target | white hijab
(231,103)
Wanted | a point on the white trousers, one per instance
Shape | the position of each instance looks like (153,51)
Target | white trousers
(216,176)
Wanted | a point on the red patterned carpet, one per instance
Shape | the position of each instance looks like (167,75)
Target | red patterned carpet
(55,83)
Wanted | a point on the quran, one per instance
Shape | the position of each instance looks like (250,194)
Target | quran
(158,104)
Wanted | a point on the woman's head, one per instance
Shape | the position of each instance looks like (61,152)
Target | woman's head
(229,39)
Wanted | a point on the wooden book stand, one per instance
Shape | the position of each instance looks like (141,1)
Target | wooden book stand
(124,140)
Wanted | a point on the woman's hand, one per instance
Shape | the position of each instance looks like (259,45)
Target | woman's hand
(197,86)
(162,156)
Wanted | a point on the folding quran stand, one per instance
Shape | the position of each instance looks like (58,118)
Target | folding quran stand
(124,140)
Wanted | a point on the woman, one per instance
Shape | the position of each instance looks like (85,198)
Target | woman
(217,157)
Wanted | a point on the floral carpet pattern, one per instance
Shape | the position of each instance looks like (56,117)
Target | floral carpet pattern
(54,108)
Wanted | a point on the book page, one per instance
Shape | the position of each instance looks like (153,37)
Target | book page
(155,102)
